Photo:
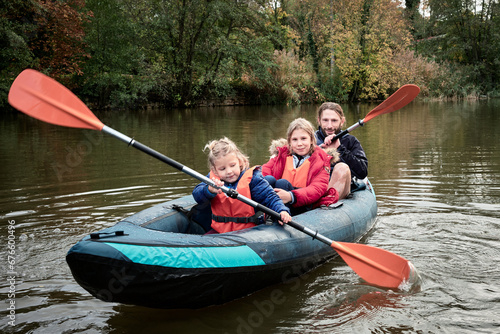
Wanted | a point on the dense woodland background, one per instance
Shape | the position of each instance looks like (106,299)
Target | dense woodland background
(181,53)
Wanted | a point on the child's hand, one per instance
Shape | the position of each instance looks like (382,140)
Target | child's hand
(217,182)
(285,217)
(284,195)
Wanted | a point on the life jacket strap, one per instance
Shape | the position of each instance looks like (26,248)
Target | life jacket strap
(240,220)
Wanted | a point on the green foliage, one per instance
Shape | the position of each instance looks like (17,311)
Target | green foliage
(114,73)
(367,35)
(121,53)
(464,36)
(115,90)
(201,47)
(16,24)
(455,81)
(330,85)
(292,81)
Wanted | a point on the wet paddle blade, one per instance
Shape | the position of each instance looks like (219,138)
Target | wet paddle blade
(43,98)
(374,265)
(398,100)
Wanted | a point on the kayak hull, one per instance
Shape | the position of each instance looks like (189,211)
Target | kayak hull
(161,258)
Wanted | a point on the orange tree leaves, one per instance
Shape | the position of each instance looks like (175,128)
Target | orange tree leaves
(59,44)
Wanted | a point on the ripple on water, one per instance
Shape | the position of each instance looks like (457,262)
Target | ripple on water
(456,255)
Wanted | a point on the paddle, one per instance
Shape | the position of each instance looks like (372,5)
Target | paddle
(398,100)
(47,100)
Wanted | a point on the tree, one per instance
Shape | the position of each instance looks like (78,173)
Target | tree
(387,35)
(114,70)
(199,46)
(412,9)
(310,21)
(58,45)
(16,25)
(469,37)
(367,35)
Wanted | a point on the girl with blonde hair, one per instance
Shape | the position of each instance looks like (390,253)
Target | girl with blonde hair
(230,167)
(300,170)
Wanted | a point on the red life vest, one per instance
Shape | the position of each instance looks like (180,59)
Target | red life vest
(230,214)
(296,176)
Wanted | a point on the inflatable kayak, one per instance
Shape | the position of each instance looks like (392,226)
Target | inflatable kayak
(161,258)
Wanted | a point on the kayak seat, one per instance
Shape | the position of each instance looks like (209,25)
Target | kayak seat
(186,220)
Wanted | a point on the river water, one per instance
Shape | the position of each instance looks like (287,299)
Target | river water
(434,166)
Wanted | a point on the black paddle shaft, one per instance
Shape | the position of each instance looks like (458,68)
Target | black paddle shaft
(346,131)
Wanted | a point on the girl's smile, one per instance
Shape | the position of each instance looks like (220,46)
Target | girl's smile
(300,142)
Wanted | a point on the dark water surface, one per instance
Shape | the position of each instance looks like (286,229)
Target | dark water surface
(435,168)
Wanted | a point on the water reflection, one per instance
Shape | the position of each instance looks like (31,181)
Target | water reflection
(343,304)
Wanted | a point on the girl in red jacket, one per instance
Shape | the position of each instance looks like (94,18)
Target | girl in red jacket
(300,171)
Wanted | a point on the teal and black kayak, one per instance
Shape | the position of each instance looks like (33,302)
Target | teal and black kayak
(161,257)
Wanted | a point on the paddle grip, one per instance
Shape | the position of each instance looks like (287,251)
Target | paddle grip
(349,129)
(340,135)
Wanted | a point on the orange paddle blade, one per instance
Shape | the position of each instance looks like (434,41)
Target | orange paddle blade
(43,98)
(376,266)
(398,100)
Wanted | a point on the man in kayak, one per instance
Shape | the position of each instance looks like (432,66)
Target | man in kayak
(353,161)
